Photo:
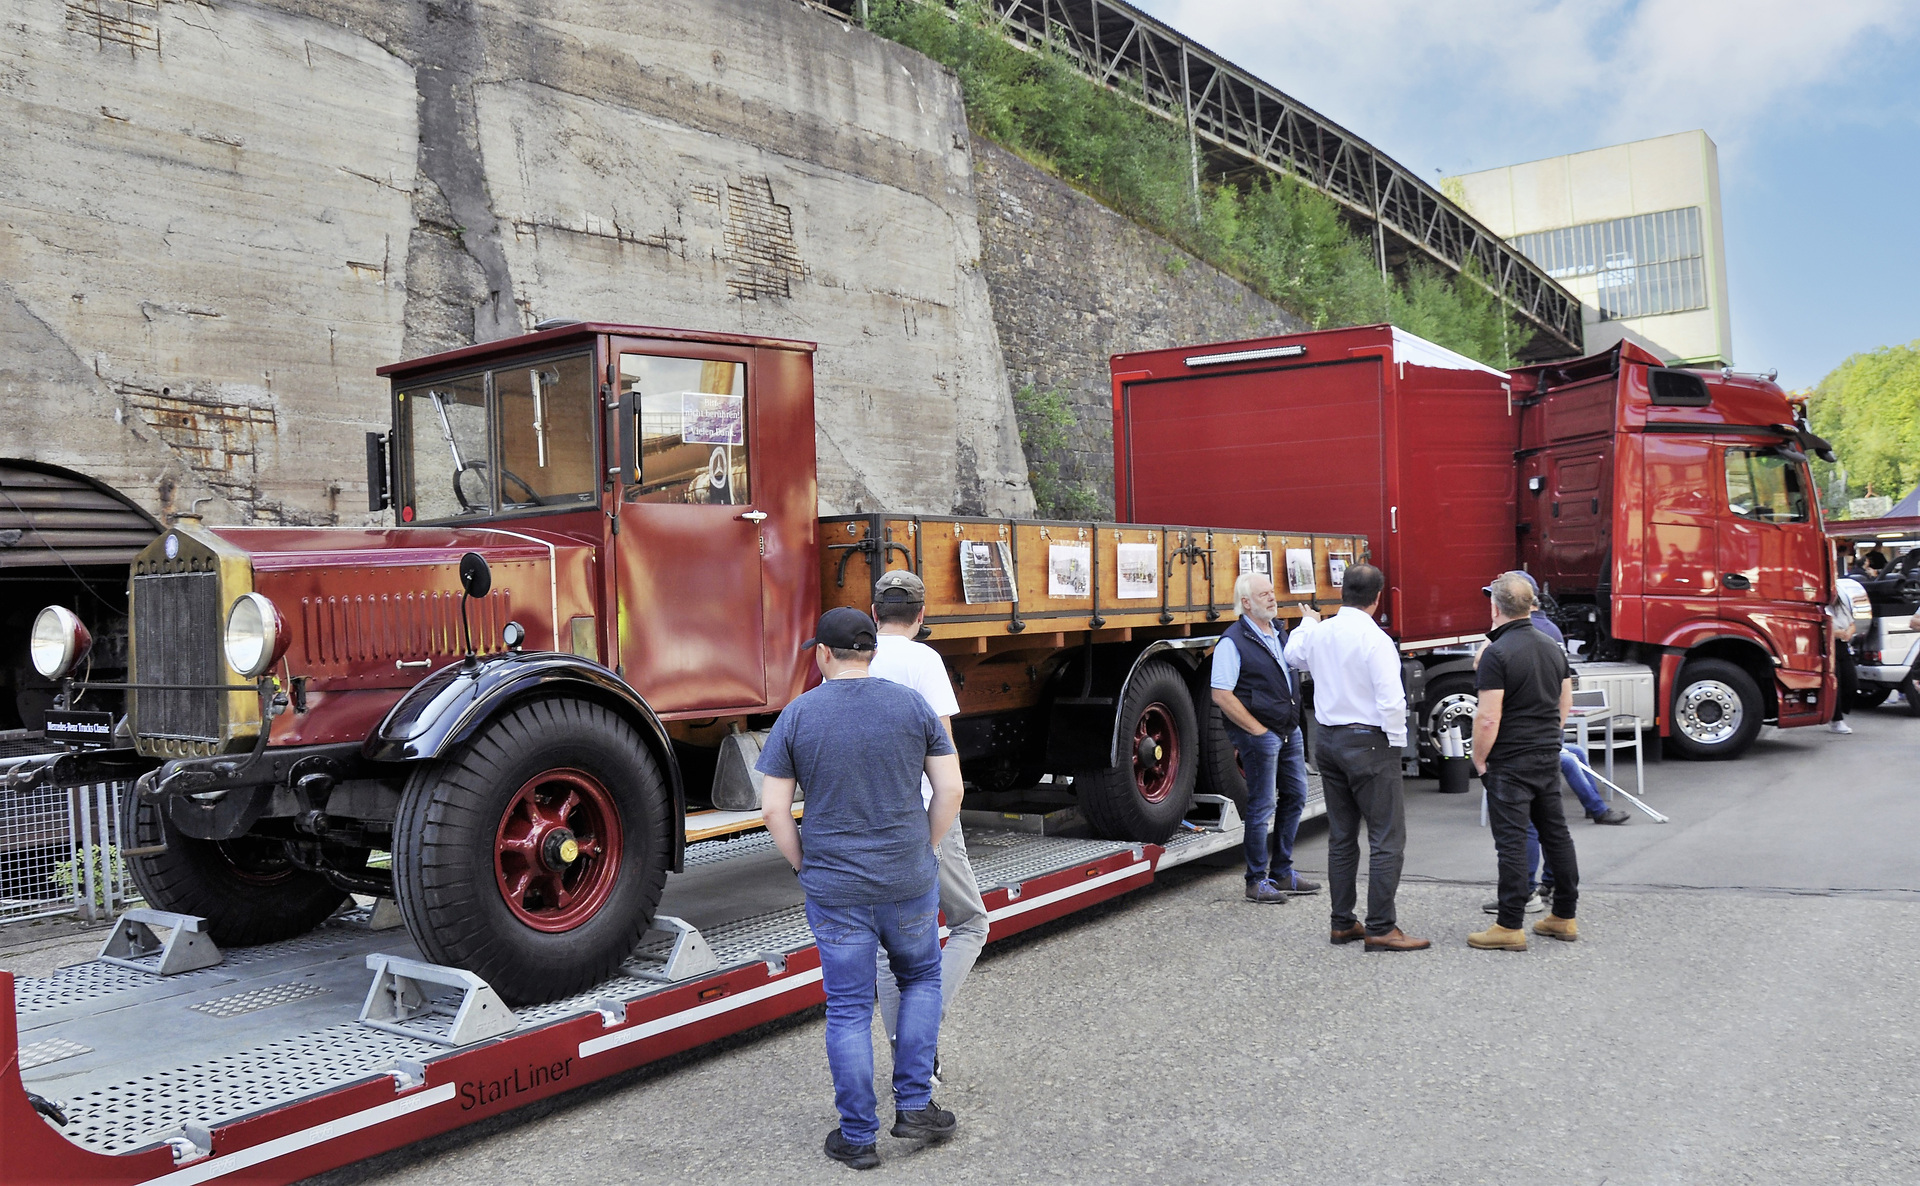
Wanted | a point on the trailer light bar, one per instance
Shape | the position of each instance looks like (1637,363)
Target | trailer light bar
(1207,360)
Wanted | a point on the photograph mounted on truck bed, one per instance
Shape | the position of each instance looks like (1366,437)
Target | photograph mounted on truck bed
(553,672)
(1668,514)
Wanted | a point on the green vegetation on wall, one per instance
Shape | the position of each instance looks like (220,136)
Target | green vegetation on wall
(1283,239)
(1046,426)
(1869,408)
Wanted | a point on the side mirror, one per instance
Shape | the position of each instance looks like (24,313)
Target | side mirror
(475,576)
(379,480)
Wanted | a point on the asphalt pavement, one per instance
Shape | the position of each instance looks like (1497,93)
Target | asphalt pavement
(1739,1008)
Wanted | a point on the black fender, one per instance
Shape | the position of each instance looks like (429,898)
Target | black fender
(448,707)
(1084,718)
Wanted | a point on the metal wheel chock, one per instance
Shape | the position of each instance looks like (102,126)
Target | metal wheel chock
(690,955)
(446,1006)
(132,943)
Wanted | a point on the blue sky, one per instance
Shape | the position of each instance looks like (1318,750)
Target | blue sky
(1815,108)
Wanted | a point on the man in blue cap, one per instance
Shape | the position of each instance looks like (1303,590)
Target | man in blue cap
(867,863)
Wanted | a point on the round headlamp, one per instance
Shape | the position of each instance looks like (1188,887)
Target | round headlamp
(254,635)
(59,641)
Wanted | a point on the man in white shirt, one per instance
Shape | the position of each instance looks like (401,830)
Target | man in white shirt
(899,606)
(1361,706)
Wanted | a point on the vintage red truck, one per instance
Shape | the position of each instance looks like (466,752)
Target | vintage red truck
(606,557)
(1669,514)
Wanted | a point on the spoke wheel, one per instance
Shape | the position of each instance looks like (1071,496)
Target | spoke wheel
(1145,795)
(1157,757)
(557,852)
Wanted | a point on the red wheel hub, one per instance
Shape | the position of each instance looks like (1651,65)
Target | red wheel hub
(1156,753)
(557,853)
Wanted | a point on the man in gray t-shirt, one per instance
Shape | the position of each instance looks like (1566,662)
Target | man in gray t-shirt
(866,862)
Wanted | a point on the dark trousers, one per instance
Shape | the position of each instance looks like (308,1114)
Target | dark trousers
(1360,777)
(1525,790)
(1848,669)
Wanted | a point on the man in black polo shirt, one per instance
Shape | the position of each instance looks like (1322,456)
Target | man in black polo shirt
(1525,691)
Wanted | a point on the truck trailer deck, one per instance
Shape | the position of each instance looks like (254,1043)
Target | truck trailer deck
(269,1065)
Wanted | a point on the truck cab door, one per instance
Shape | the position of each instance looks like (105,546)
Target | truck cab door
(1771,550)
(689,634)
(1681,561)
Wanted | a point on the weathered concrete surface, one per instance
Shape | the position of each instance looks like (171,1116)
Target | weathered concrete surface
(219,218)
(1074,283)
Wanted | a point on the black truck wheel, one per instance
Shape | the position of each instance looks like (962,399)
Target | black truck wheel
(246,888)
(1716,710)
(1220,770)
(1145,797)
(1870,696)
(1450,704)
(534,856)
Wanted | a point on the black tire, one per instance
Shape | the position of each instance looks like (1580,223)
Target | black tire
(1870,696)
(453,859)
(1146,796)
(1220,771)
(246,888)
(1716,711)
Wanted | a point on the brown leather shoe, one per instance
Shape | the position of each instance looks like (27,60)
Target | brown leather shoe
(1396,940)
(1357,931)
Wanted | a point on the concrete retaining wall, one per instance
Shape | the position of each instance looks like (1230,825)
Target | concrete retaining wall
(219,218)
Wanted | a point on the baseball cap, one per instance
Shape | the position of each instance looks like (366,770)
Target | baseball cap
(900,587)
(843,628)
(1487,588)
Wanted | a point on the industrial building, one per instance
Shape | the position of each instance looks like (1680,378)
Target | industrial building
(1634,230)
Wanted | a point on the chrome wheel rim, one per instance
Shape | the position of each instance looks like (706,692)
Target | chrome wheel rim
(1709,712)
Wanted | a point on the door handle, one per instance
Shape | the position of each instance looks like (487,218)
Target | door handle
(752,516)
(1734,580)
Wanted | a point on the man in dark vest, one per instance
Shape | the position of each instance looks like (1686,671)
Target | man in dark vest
(1260,700)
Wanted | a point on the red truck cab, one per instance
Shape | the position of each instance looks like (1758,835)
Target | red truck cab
(1668,514)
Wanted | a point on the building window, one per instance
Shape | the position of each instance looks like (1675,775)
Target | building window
(1644,265)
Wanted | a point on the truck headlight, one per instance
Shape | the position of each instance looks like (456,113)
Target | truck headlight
(255,638)
(59,641)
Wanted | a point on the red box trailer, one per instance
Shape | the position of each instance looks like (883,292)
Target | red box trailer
(1356,430)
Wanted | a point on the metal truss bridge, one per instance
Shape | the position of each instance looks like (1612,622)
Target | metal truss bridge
(1243,126)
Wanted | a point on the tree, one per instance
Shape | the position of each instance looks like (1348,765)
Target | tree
(1869,407)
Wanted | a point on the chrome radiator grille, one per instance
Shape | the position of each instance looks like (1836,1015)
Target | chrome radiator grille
(177,640)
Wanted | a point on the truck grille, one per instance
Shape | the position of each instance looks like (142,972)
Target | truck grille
(176,640)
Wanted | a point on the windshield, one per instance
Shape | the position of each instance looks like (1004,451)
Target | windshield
(513,438)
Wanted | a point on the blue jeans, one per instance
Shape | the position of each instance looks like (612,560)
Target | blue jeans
(1276,795)
(1583,789)
(1580,780)
(849,938)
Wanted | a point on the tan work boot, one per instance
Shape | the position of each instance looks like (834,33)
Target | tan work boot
(1499,938)
(1564,929)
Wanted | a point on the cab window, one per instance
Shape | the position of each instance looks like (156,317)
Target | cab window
(692,429)
(446,425)
(512,439)
(545,416)
(1765,485)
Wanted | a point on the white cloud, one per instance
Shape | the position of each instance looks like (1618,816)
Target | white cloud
(1478,83)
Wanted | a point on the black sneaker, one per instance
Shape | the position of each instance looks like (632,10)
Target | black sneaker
(1293,883)
(1611,815)
(860,1157)
(931,1123)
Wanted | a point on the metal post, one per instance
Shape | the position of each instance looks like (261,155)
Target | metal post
(1193,144)
(84,854)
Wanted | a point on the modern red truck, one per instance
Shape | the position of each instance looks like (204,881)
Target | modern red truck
(1668,514)
(607,555)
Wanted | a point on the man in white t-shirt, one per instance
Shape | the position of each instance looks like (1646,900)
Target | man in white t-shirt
(899,606)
